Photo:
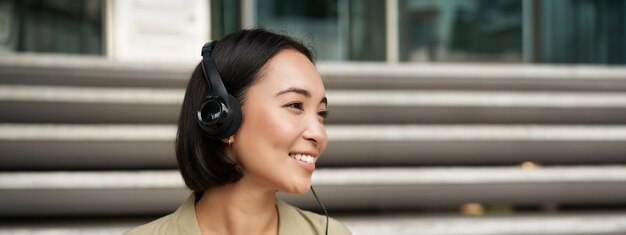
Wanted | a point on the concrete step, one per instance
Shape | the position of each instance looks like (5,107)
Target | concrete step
(63,70)
(68,226)
(156,192)
(97,71)
(605,223)
(62,104)
(448,106)
(151,146)
(472,76)
(59,104)
(610,223)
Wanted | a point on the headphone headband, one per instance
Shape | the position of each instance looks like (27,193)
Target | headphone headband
(212,76)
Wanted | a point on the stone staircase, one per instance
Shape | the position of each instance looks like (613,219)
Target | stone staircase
(87,147)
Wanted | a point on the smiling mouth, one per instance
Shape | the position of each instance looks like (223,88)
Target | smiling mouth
(303,158)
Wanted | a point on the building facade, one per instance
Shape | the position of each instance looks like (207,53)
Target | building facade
(391,31)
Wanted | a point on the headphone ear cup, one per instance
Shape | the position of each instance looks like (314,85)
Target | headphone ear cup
(219,118)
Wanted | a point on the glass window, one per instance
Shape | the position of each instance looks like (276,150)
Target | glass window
(225,17)
(54,26)
(337,29)
(367,30)
(582,32)
(316,23)
(467,31)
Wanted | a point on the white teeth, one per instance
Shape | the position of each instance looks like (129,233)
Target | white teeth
(303,157)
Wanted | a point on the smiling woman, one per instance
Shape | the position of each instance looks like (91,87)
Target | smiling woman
(236,159)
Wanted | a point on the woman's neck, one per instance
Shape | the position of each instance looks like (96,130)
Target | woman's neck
(237,209)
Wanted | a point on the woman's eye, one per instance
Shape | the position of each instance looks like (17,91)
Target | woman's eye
(323,114)
(296,105)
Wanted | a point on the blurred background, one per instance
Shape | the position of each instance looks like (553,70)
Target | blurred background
(446,116)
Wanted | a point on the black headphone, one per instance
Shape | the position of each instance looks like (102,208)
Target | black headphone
(219,115)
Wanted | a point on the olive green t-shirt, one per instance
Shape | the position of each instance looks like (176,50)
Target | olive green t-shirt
(291,221)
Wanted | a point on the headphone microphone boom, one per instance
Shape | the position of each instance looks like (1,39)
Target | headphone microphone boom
(219,115)
(323,208)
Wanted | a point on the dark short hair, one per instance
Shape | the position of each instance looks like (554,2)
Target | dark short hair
(239,58)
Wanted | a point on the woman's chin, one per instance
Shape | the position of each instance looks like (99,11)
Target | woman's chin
(299,189)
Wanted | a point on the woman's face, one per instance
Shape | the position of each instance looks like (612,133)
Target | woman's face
(282,133)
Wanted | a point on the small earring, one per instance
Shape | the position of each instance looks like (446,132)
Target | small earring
(230,141)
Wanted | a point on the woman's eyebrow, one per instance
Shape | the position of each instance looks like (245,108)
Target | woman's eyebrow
(296,90)
(301,92)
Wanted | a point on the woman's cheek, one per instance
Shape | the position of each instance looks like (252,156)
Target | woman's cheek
(282,125)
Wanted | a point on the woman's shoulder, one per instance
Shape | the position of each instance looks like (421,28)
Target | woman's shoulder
(158,226)
(299,218)
(182,221)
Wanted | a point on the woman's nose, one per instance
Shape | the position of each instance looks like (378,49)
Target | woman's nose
(315,131)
